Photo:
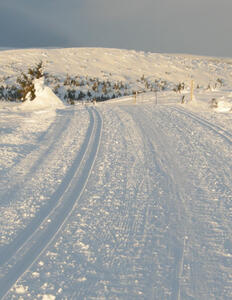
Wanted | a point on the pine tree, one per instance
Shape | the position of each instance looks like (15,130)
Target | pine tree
(26,82)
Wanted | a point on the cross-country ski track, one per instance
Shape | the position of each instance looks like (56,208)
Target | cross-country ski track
(143,212)
(217,129)
(23,251)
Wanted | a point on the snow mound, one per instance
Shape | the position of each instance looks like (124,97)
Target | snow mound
(48,297)
(45,98)
(223,106)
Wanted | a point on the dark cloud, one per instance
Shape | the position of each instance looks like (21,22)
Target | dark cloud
(19,29)
(199,27)
(187,26)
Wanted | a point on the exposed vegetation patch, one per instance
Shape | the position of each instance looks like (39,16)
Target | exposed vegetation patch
(72,89)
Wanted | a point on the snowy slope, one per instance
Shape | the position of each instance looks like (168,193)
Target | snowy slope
(118,64)
(123,200)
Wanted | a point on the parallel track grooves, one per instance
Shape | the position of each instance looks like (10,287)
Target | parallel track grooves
(47,226)
(215,128)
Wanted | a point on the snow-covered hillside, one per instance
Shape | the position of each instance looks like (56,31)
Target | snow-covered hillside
(109,73)
(120,64)
(130,198)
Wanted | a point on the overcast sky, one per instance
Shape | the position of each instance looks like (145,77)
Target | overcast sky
(168,26)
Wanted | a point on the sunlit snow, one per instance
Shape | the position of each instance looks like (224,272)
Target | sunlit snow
(129,198)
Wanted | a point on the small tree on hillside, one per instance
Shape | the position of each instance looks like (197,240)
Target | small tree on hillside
(179,87)
(26,82)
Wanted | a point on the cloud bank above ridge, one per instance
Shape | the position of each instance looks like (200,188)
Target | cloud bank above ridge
(157,26)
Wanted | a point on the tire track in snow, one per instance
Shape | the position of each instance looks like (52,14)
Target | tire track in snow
(48,223)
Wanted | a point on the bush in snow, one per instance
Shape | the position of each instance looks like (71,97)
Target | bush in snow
(214,103)
(26,82)
(9,93)
(219,83)
(77,88)
(179,87)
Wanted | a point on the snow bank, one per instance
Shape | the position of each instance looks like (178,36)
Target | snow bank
(45,98)
(202,103)
(223,106)
(197,104)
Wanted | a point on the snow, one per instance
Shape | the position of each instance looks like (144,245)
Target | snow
(45,98)
(125,199)
(48,297)
(224,106)
(20,289)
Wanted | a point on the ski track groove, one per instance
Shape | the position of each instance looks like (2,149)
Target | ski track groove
(47,229)
(178,246)
(202,208)
(7,251)
(226,135)
(136,237)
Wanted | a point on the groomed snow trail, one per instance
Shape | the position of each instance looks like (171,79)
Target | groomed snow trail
(38,149)
(195,155)
(154,220)
(22,252)
(216,128)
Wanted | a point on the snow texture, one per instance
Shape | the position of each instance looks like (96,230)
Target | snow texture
(125,199)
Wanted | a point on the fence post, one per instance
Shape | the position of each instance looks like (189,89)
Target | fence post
(135,97)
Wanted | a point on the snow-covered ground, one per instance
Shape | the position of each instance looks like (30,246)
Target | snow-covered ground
(126,199)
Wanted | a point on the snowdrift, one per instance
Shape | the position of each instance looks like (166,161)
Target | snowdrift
(223,106)
(45,98)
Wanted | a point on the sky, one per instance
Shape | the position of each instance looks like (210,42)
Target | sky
(201,27)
